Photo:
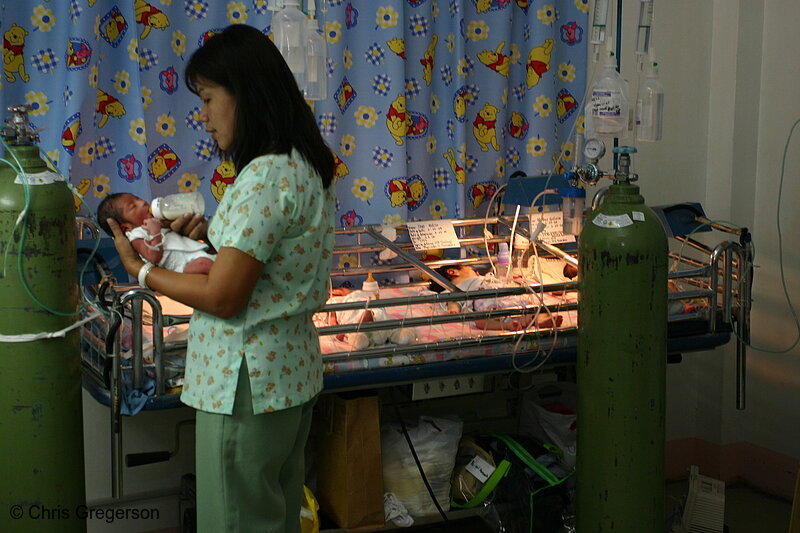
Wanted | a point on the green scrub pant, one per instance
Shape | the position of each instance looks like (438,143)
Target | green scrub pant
(250,468)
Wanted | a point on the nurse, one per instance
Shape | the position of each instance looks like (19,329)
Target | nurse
(253,366)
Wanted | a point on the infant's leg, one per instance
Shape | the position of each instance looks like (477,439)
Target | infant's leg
(201,265)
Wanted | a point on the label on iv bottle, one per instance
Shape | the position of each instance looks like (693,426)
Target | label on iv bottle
(607,104)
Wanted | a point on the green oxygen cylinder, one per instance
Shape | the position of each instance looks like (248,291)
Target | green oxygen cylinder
(41,420)
(621,371)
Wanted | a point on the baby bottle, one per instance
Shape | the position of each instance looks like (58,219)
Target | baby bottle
(371,288)
(172,206)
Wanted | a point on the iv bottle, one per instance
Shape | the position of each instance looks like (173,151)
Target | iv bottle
(370,287)
(519,258)
(172,206)
(650,104)
(608,104)
(316,58)
(289,33)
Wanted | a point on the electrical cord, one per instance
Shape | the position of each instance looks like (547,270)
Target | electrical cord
(414,454)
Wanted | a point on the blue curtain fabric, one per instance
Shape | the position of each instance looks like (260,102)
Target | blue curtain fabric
(431,103)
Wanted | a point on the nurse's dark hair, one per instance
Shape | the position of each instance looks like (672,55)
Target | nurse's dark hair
(272,116)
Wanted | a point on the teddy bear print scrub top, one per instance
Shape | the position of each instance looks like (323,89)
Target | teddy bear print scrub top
(278,212)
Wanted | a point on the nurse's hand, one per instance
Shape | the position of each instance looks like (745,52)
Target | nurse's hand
(129,257)
(193,226)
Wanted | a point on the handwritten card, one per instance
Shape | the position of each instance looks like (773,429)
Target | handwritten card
(433,234)
(553,232)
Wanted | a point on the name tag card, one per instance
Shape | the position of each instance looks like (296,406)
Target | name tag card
(433,234)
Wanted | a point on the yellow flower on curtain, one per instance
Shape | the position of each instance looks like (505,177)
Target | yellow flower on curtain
(543,105)
(332,30)
(537,146)
(147,97)
(53,155)
(430,145)
(582,5)
(348,261)
(566,71)
(37,103)
(93,76)
(363,189)
(237,13)
(122,82)
(347,58)
(386,17)
(165,125)
(178,43)
(137,131)
(477,30)
(393,219)
(438,209)
(366,116)
(101,186)
(567,149)
(348,144)
(188,182)
(546,14)
(450,42)
(500,167)
(43,18)
(87,153)
(133,49)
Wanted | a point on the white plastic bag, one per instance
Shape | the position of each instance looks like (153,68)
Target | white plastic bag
(549,415)
(435,441)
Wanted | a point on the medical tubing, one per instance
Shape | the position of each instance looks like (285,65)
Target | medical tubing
(414,454)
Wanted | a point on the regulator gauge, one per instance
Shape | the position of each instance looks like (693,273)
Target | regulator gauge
(594,149)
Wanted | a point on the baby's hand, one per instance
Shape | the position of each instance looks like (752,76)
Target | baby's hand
(152,225)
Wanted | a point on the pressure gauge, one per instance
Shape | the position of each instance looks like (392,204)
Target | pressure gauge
(594,149)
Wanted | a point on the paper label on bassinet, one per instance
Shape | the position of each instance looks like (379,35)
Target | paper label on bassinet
(40,178)
(480,468)
(433,235)
(612,222)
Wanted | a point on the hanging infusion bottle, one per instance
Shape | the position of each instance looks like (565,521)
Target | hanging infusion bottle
(607,108)
(316,58)
(289,33)
(650,103)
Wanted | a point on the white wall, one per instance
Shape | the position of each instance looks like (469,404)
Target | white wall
(731,71)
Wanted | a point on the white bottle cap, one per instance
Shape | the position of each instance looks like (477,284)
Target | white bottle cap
(155,208)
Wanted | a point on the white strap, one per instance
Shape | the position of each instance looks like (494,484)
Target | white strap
(29,337)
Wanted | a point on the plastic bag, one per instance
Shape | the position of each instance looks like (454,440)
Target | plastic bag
(309,517)
(435,441)
(549,415)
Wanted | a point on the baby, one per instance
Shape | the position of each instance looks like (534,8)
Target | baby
(361,340)
(151,237)
(467,279)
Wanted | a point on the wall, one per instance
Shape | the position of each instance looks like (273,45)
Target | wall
(730,70)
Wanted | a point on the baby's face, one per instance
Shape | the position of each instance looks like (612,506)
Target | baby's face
(134,210)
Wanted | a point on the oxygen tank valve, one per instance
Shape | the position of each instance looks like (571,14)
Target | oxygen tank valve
(623,173)
(17,128)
